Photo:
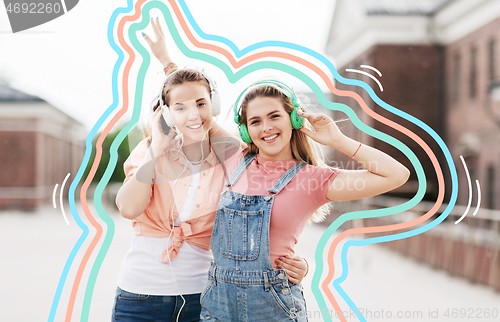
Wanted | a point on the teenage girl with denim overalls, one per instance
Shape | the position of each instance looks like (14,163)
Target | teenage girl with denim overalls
(276,187)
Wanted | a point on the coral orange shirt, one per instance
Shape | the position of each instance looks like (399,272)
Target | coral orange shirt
(170,168)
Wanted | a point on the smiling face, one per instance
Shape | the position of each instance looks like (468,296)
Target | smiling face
(270,127)
(191,109)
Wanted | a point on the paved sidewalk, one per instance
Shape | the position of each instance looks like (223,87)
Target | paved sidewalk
(35,247)
(389,287)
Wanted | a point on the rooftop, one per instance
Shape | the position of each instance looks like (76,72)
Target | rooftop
(9,94)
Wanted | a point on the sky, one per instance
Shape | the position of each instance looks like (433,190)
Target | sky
(68,61)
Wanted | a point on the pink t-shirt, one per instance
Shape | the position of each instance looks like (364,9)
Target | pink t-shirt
(293,206)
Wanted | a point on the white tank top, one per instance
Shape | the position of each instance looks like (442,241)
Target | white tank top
(142,271)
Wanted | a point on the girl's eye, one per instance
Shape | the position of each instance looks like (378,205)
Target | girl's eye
(254,122)
(202,104)
(179,109)
(275,116)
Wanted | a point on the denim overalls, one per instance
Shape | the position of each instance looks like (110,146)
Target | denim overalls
(243,285)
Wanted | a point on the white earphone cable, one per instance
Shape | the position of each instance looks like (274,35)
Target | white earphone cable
(179,150)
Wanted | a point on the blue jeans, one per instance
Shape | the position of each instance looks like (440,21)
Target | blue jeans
(131,307)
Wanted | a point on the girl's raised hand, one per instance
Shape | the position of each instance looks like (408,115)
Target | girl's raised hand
(158,47)
(325,132)
(160,140)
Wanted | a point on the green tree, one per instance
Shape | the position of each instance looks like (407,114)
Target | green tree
(123,153)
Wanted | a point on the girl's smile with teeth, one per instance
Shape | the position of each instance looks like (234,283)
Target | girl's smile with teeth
(194,127)
(269,138)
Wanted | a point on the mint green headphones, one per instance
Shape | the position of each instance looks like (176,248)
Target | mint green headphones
(297,121)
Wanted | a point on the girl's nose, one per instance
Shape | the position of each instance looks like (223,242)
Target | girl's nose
(267,127)
(193,113)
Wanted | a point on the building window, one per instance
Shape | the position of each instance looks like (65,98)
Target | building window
(473,72)
(492,59)
(456,78)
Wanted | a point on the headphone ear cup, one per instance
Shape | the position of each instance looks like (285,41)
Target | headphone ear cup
(168,117)
(244,134)
(297,121)
(215,103)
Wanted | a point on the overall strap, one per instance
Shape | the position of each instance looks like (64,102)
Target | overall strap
(286,177)
(240,168)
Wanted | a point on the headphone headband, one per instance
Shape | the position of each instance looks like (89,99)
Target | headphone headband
(280,86)
(211,83)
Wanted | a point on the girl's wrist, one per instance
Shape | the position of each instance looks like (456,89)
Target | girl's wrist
(341,143)
(347,146)
(165,61)
(170,68)
(155,150)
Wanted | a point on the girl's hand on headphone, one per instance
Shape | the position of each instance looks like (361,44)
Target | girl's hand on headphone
(160,140)
(325,132)
(158,47)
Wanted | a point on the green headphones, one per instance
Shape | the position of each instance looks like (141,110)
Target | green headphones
(297,121)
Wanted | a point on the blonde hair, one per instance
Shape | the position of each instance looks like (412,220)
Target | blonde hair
(304,149)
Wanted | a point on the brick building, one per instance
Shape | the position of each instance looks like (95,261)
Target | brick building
(40,145)
(439,63)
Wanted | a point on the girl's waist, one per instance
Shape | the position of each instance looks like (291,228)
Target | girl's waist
(246,277)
